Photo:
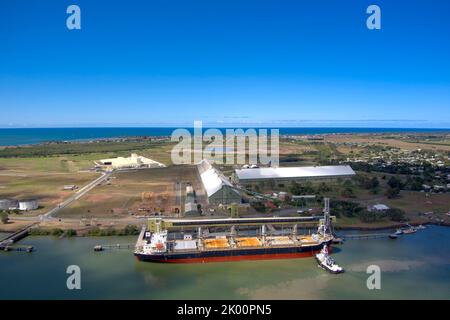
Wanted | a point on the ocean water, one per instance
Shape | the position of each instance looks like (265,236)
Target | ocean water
(12,137)
(414,266)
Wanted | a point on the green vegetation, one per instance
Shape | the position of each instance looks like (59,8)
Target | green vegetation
(342,208)
(129,230)
(4,217)
(71,233)
(368,183)
(392,192)
(302,189)
(45,150)
(350,209)
(57,232)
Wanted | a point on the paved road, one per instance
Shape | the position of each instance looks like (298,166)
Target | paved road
(77,195)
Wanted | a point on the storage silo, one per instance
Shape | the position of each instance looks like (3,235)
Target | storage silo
(29,204)
(8,204)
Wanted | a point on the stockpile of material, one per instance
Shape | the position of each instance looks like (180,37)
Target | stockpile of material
(248,242)
(216,243)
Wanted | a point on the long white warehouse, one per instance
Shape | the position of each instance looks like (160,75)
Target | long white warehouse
(292,173)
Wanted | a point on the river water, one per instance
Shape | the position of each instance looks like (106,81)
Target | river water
(414,266)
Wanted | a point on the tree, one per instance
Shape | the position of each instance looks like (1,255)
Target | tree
(392,192)
(374,183)
(347,192)
(395,182)
(71,233)
(298,189)
(323,187)
(396,214)
(367,216)
(4,217)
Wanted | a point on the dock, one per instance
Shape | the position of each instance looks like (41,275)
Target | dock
(5,243)
(102,247)
(365,236)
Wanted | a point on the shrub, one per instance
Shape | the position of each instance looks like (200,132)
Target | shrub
(392,192)
(396,214)
(57,232)
(347,193)
(4,217)
(71,233)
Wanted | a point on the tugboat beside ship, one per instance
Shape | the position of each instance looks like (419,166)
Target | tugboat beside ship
(157,244)
(327,263)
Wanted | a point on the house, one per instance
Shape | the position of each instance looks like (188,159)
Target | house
(378,208)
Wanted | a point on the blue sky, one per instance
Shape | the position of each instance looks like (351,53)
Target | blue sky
(282,63)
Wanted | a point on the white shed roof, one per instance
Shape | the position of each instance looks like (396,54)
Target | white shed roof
(294,172)
(380,207)
(212,179)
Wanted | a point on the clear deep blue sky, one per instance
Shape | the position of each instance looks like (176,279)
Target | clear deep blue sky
(278,62)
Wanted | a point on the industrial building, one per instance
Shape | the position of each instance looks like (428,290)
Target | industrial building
(190,204)
(23,205)
(29,204)
(190,209)
(290,174)
(9,204)
(217,187)
(133,162)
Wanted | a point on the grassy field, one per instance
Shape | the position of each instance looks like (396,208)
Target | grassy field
(391,141)
(43,179)
(45,150)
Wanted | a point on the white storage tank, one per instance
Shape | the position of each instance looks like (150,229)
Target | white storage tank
(29,204)
(8,204)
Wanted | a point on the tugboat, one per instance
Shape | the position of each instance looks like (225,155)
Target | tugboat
(396,234)
(327,263)
(409,230)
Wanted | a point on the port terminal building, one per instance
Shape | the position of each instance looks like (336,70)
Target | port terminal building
(291,174)
(218,188)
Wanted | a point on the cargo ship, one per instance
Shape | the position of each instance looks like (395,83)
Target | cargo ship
(157,244)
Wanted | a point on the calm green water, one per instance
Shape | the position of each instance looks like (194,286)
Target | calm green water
(413,267)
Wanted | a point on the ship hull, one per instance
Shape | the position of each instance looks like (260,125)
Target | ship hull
(233,255)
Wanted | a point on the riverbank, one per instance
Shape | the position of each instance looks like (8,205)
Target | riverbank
(133,229)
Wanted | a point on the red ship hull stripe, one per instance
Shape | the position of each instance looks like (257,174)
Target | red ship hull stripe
(238,257)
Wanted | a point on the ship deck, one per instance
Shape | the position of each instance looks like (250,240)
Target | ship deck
(222,243)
